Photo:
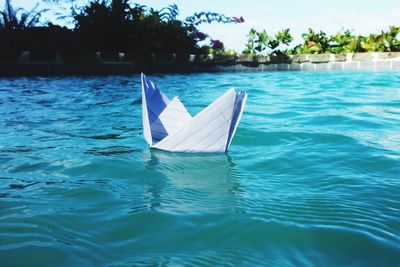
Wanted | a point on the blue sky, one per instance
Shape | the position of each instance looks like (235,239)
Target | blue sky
(362,17)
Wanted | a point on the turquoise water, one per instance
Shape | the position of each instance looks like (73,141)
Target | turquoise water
(312,177)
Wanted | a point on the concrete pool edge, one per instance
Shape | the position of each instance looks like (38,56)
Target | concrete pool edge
(387,61)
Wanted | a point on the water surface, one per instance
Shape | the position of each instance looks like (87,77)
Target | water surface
(312,177)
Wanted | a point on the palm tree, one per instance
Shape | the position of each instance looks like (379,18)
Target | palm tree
(19,19)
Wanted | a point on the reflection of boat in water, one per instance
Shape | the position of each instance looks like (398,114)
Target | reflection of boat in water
(167,125)
(182,182)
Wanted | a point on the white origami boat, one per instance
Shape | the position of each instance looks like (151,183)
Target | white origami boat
(167,125)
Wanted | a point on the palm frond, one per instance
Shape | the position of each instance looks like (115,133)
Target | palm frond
(18,18)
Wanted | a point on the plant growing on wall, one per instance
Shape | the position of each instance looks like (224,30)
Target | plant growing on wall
(283,38)
(319,42)
(373,43)
(259,41)
(314,43)
(390,41)
(345,42)
(250,47)
(383,42)
(262,42)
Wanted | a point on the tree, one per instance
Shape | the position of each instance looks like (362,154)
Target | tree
(115,25)
(19,19)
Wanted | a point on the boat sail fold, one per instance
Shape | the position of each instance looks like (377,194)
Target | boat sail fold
(167,125)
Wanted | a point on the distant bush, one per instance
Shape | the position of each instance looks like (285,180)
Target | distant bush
(258,41)
(320,42)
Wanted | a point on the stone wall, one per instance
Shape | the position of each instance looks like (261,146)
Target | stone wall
(120,63)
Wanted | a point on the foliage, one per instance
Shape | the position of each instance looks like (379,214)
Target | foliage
(390,39)
(259,41)
(19,19)
(251,42)
(115,25)
(384,42)
(109,26)
(283,38)
(209,17)
(314,43)
(345,42)
(119,26)
(216,47)
(319,42)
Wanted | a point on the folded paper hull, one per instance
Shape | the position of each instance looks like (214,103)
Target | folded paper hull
(167,125)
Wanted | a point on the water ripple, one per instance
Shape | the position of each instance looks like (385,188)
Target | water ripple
(311,179)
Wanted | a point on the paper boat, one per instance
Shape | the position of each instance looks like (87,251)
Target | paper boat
(167,125)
